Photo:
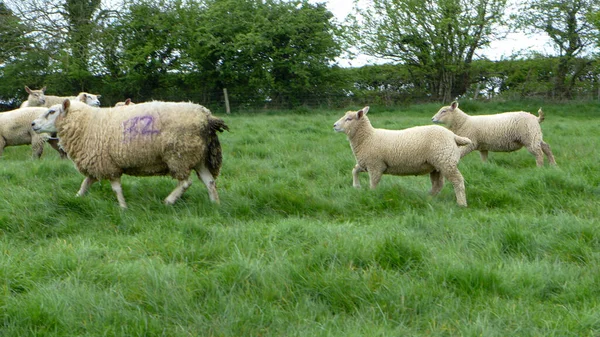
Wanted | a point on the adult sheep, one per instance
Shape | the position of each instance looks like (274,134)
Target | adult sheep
(504,132)
(15,129)
(39,98)
(154,138)
(431,149)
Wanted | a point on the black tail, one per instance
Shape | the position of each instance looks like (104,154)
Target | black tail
(214,155)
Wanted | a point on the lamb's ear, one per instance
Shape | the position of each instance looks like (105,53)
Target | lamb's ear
(454,105)
(362,112)
(65,105)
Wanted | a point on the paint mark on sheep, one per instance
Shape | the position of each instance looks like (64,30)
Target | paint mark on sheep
(139,126)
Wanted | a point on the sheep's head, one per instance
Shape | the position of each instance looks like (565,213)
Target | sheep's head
(350,119)
(443,116)
(89,99)
(36,97)
(46,122)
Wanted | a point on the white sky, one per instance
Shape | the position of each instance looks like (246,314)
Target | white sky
(513,43)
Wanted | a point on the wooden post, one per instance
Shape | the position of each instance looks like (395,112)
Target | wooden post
(227,110)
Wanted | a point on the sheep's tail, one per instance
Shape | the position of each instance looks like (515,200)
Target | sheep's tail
(541,116)
(214,157)
(462,140)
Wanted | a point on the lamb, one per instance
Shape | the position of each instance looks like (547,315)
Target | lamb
(414,151)
(15,129)
(39,98)
(154,138)
(504,132)
(127,102)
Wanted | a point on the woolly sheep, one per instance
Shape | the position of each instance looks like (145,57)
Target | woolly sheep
(15,129)
(414,151)
(39,98)
(127,102)
(504,132)
(154,138)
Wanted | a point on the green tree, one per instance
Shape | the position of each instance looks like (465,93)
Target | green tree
(437,40)
(567,23)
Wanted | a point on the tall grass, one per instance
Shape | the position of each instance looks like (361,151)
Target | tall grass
(294,250)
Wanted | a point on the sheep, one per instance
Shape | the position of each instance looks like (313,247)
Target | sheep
(127,102)
(39,98)
(15,129)
(504,132)
(414,151)
(154,138)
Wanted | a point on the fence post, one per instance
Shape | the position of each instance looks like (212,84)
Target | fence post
(227,110)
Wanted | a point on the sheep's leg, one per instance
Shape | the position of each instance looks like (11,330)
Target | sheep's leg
(85,185)
(437,182)
(538,153)
(355,171)
(548,152)
(54,143)
(209,181)
(115,184)
(466,149)
(37,145)
(375,177)
(2,145)
(484,155)
(457,180)
(182,186)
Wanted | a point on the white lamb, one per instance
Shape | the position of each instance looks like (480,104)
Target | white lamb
(155,138)
(414,151)
(39,98)
(504,132)
(127,102)
(15,129)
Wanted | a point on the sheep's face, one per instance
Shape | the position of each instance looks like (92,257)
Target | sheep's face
(89,99)
(348,121)
(46,122)
(444,114)
(36,97)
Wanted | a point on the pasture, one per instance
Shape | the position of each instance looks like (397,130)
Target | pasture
(294,250)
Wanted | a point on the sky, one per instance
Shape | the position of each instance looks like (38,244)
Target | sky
(511,44)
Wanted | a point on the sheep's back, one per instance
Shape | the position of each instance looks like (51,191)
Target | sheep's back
(150,138)
(414,150)
(15,125)
(501,132)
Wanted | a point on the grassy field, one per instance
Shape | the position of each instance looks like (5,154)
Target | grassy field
(294,250)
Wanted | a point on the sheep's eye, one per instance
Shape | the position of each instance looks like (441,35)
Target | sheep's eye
(50,112)
(348,118)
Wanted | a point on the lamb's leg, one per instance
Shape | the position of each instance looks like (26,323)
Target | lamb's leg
(37,145)
(536,150)
(115,183)
(374,176)
(457,180)
(466,149)
(182,186)
(54,143)
(437,182)
(209,181)
(355,171)
(85,185)
(484,155)
(548,152)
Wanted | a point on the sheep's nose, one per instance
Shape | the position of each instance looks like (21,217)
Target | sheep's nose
(32,123)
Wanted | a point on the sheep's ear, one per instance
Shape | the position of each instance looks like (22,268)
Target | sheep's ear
(362,112)
(27,89)
(44,89)
(66,104)
(127,101)
(98,96)
(454,105)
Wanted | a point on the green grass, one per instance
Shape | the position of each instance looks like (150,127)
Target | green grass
(294,250)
